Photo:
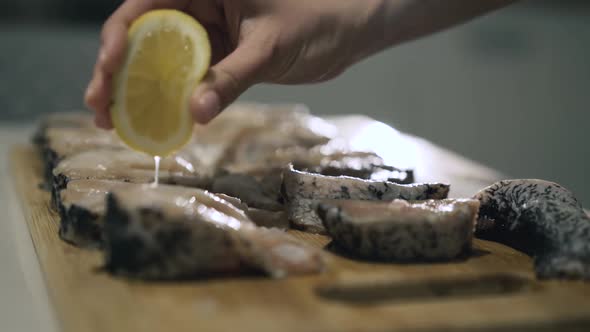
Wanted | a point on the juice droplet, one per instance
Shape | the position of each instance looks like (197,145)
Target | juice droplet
(156,170)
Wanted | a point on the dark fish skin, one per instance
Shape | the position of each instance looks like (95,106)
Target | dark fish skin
(170,232)
(301,190)
(81,227)
(430,230)
(542,219)
(249,190)
(140,244)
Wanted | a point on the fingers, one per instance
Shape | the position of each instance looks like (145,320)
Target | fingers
(103,120)
(228,79)
(114,32)
(114,41)
(112,53)
(97,98)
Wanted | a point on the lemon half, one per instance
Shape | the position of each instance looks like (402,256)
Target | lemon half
(168,53)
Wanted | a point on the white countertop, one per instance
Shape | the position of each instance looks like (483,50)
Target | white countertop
(24,305)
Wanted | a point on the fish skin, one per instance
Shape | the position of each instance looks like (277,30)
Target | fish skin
(301,189)
(542,219)
(430,230)
(177,233)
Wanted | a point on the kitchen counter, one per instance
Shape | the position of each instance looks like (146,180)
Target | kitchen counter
(23,303)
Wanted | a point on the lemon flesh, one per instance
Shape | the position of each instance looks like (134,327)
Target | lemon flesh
(168,53)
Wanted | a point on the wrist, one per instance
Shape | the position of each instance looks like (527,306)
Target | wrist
(391,22)
(374,26)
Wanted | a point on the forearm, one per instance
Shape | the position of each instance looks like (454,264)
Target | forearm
(280,41)
(396,21)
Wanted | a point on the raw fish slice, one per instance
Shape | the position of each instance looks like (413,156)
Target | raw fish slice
(64,142)
(358,164)
(127,166)
(245,138)
(47,133)
(364,165)
(171,232)
(401,230)
(268,129)
(302,189)
(82,207)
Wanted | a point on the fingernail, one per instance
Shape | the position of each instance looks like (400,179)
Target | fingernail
(208,106)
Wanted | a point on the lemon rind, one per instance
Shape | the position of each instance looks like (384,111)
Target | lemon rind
(139,29)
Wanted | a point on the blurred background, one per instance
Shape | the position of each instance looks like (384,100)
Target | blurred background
(509,90)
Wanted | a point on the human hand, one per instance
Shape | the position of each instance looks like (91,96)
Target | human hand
(253,41)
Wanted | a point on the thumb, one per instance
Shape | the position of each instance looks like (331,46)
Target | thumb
(227,80)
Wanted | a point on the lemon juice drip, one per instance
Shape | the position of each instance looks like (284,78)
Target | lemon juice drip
(156,170)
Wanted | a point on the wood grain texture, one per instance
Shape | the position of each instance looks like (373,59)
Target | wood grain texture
(495,288)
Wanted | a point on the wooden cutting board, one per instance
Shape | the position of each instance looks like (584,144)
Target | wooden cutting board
(493,289)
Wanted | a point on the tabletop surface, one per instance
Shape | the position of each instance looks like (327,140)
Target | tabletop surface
(23,303)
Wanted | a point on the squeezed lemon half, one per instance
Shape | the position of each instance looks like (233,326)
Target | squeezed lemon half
(168,53)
